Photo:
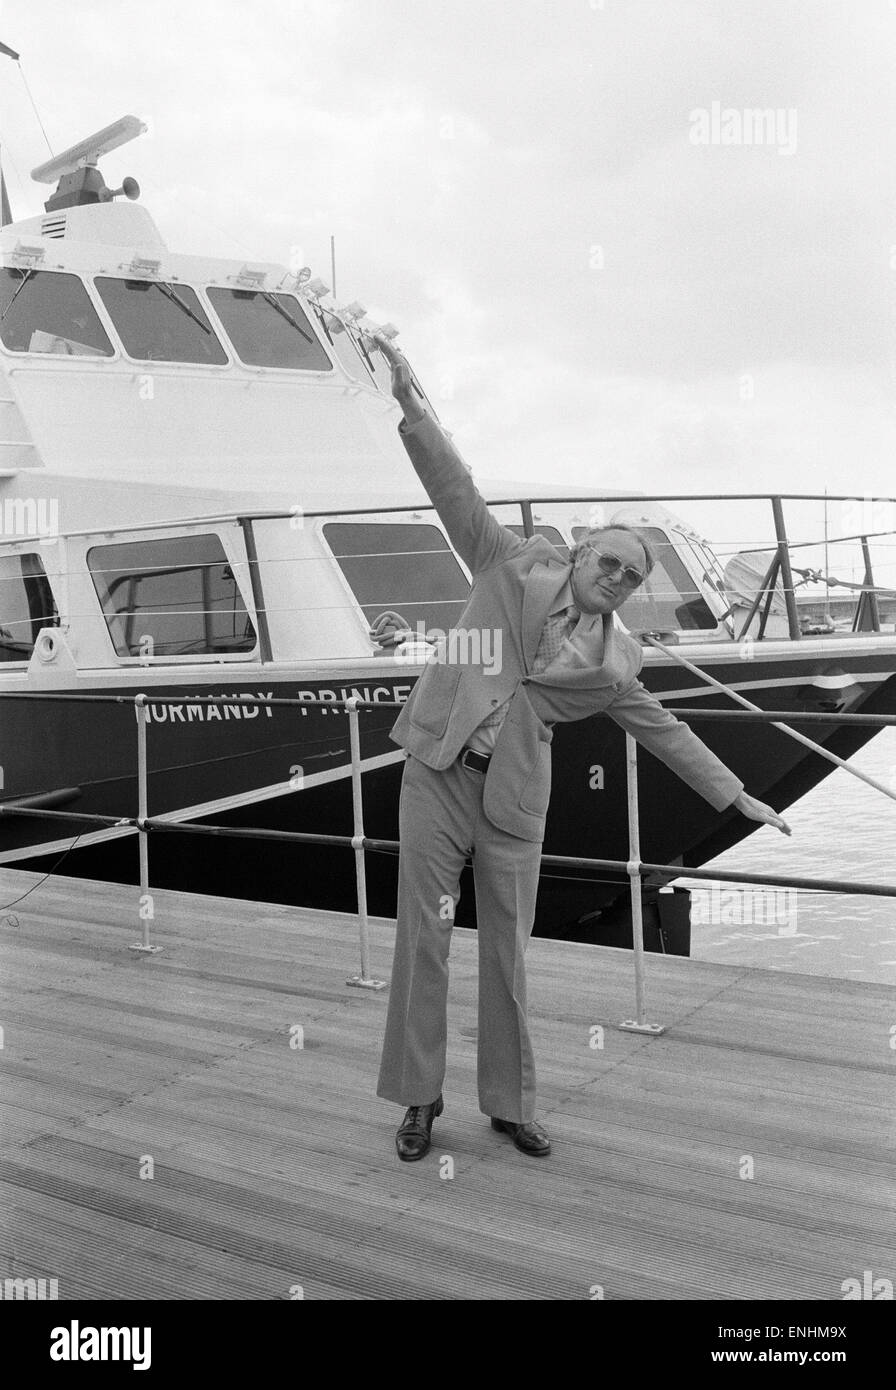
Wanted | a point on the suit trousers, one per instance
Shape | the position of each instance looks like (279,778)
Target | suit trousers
(441,822)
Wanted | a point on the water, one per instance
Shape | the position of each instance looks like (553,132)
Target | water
(842,829)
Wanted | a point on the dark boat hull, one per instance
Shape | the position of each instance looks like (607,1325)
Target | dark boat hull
(231,768)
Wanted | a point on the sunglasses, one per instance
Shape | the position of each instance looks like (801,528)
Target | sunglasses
(611,564)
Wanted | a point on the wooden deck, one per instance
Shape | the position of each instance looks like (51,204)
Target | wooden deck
(275,1167)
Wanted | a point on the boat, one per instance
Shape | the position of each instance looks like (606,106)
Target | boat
(203,493)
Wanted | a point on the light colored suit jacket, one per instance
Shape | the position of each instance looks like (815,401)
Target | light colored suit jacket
(515,583)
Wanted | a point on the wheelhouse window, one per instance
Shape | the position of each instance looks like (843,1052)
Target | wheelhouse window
(345,346)
(382,371)
(269,330)
(174,597)
(26,605)
(549,532)
(668,600)
(403,566)
(158,322)
(46,311)
(361,357)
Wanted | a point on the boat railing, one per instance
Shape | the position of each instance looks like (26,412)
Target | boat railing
(298,514)
(780,571)
(636,869)
(790,563)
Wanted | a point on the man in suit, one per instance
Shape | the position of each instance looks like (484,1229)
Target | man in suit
(478,776)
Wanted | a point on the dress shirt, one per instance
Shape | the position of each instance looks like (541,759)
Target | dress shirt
(583,647)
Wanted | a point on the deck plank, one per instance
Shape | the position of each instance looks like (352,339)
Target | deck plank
(275,1166)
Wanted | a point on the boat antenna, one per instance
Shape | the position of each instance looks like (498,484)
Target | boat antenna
(5,210)
(333,263)
(827,567)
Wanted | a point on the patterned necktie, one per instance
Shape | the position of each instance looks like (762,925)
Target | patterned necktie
(558,627)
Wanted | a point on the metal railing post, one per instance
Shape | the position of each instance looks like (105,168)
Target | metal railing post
(767,587)
(143,947)
(793,619)
(365,980)
(867,608)
(261,612)
(636,1024)
(634,868)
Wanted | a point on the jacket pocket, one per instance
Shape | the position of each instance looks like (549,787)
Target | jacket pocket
(536,792)
(433,698)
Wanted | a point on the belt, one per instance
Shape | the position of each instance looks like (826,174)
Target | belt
(478,762)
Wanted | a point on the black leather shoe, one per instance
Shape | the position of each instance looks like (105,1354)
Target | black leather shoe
(412,1139)
(529,1138)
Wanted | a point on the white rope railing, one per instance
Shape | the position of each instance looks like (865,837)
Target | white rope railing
(785,728)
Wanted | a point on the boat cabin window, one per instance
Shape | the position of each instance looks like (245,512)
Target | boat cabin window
(712,570)
(158,322)
(269,330)
(406,567)
(381,370)
(549,532)
(172,597)
(668,600)
(345,347)
(361,358)
(45,311)
(26,605)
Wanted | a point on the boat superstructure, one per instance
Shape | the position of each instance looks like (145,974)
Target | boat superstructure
(202,492)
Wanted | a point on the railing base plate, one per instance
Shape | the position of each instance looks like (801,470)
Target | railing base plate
(632,1026)
(359,982)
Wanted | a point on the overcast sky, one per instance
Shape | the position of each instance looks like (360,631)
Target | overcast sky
(589,293)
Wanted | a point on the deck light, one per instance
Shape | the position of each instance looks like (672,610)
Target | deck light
(143,265)
(355,310)
(25,255)
(370,331)
(250,279)
(316,288)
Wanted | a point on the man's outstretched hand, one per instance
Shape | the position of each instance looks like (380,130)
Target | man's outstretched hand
(757,810)
(402,381)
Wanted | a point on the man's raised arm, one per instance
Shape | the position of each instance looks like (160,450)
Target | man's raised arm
(477,537)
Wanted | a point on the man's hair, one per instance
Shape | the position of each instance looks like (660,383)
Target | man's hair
(583,541)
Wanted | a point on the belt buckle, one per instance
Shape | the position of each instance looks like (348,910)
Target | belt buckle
(472,753)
